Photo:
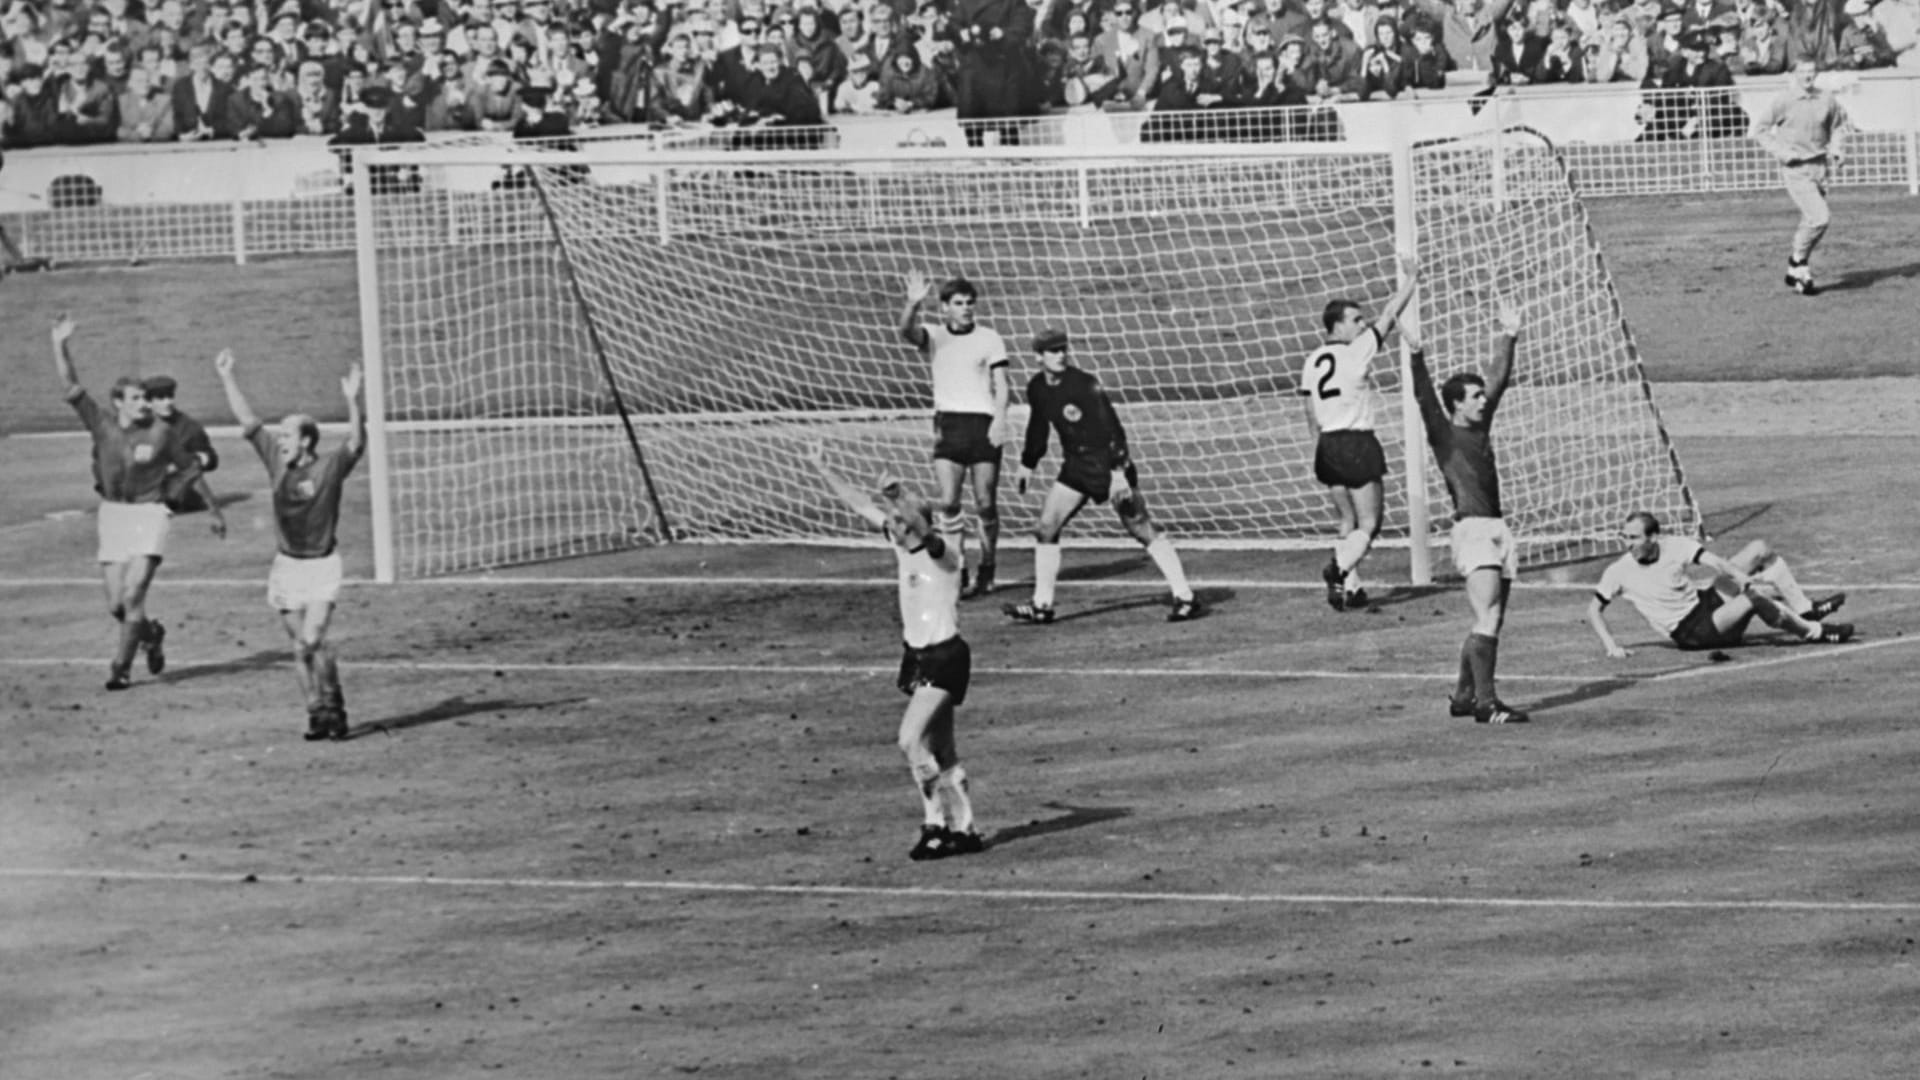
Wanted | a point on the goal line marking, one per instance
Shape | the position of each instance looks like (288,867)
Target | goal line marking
(691,581)
(907,892)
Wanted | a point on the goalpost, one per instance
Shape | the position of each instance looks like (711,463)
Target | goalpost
(585,350)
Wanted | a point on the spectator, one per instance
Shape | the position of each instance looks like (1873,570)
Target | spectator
(1813,31)
(1278,101)
(1223,71)
(1256,39)
(1384,71)
(1426,58)
(907,85)
(1562,61)
(115,63)
(146,114)
(860,94)
(126,24)
(1620,55)
(1303,80)
(200,99)
(1701,14)
(1161,64)
(996,77)
(496,105)
(680,93)
(32,111)
(1863,44)
(1336,63)
(626,53)
(813,51)
(1124,46)
(541,116)
(444,101)
(1176,102)
(84,107)
(316,106)
(733,65)
(1585,16)
(1085,77)
(1663,41)
(368,124)
(257,111)
(883,37)
(775,96)
(412,95)
(1197,18)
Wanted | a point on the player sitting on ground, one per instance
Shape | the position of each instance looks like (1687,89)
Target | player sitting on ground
(132,456)
(1071,401)
(1653,575)
(1459,423)
(304,584)
(1347,457)
(936,664)
(970,395)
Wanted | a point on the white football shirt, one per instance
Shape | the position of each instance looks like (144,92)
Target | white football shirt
(1661,590)
(963,368)
(929,594)
(1337,381)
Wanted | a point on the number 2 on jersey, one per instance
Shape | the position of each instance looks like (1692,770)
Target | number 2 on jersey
(1327,365)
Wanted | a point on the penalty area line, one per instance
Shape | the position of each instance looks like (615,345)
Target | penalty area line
(693,581)
(1813,652)
(911,892)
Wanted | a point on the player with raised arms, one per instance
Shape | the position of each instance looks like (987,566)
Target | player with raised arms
(1459,423)
(133,455)
(1805,129)
(1653,575)
(304,584)
(1337,382)
(936,664)
(1096,466)
(970,394)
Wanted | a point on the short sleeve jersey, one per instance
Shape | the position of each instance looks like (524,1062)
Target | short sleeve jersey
(1660,590)
(1080,411)
(929,595)
(306,498)
(1337,379)
(963,368)
(130,464)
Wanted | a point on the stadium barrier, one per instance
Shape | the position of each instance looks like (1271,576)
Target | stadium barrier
(239,201)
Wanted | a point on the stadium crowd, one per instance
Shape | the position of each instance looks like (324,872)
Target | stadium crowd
(79,72)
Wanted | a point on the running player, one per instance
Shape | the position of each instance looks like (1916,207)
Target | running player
(936,664)
(1653,575)
(305,582)
(1096,466)
(132,455)
(1347,458)
(1459,423)
(160,390)
(970,393)
(1805,129)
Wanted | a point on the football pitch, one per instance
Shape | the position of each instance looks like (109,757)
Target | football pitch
(641,815)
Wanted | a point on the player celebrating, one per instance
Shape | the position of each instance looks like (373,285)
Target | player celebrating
(1459,423)
(132,455)
(160,390)
(936,665)
(1096,466)
(305,582)
(1653,575)
(1348,458)
(970,395)
(1805,128)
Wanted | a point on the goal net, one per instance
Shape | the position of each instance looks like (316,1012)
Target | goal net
(582,352)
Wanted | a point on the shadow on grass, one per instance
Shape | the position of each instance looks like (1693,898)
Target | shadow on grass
(1864,279)
(259,661)
(1725,521)
(453,708)
(1580,695)
(1403,594)
(1209,599)
(1074,818)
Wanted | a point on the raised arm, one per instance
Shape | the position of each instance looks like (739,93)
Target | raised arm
(62,358)
(1500,371)
(350,387)
(236,401)
(918,287)
(1432,413)
(1409,280)
(856,500)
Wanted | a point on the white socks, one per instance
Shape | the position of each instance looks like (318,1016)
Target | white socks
(1778,575)
(1168,560)
(1046,572)
(951,792)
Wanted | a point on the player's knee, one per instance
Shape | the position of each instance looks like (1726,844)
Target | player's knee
(989,514)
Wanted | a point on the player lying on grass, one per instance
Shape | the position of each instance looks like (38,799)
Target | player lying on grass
(133,455)
(1653,575)
(935,666)
(1459,423)
(304,584)
(1337,382)
(970,393)
(1096,466)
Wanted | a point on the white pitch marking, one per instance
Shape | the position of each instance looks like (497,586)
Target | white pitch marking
(680,581)
(771,670)
(1814,652)
(238,877)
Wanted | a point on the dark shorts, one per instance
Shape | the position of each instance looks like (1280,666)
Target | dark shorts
(1349,459)
(1697,631)
(1093,478)
(946,666)
(962,438)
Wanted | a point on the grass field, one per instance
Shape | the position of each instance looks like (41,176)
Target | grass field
(641,815)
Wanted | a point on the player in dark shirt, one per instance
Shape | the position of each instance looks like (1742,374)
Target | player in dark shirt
(1459,423)
(1070,401)
(193,435)
(305,582)
(135,457)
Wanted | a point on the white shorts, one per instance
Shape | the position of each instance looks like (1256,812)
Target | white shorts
(133,530)
(303,583)
(1480,542)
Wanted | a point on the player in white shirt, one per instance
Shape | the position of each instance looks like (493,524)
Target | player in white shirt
(1337,383)
(1654,576)
(970,395)
(935,666)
